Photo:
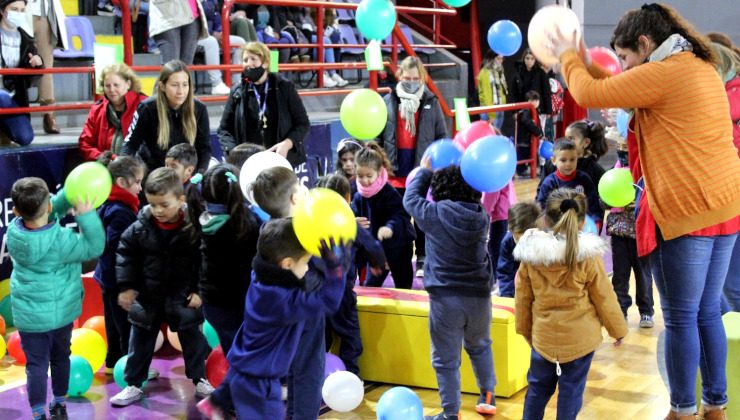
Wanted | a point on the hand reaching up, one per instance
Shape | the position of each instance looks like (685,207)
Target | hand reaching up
(336,255)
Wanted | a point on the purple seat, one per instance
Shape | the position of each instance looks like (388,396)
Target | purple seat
(349,37)
(409,36)
(78,26)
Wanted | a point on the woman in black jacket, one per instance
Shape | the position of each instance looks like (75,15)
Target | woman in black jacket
(530,76)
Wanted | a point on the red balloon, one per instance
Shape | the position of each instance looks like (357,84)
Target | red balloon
(2,325)
(15,350)
(216,367)
(477,130)
(606,58)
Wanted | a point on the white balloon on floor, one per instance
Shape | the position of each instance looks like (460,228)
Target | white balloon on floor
(343,391)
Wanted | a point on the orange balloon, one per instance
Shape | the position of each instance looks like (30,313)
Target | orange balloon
(15,350)
(2,325)
(97,323)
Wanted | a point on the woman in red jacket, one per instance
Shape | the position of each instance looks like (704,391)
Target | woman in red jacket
(109,119)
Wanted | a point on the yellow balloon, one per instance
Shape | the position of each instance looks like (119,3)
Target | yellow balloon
(3,347)
(323,214)
(4,288)
(89,345)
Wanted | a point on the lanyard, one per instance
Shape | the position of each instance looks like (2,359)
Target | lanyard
(262,105)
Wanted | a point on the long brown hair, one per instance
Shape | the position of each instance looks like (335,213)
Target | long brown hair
(187,111)
(373,156)
(565,210)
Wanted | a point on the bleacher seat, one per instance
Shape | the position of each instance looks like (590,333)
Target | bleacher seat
(420,51)
(349,37)
(80,39)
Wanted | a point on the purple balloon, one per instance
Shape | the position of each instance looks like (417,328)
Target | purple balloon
(333,364)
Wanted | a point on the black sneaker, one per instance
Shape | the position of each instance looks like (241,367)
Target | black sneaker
(58,412)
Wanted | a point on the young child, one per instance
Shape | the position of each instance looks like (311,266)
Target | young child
(46,286)
(379,208)
(526,128)
(345,165)
(157,266)
(183,159)
(561,265)
(344,322)
(458,278)
(522,217)
(497,206)
(239,154)
(277,308)
(565,157)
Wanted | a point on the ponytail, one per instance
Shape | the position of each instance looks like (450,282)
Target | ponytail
(565,210)
(374,156)
(596,133)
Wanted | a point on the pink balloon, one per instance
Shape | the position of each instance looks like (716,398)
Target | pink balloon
(606,58)
(477,130)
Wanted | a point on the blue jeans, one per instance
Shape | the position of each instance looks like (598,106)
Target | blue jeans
(543,379)
(499,121)
(17,127)
(44,349)
(731,298)
(689,273)
(306,376)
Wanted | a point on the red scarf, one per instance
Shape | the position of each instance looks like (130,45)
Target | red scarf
(129,200)
(180,222)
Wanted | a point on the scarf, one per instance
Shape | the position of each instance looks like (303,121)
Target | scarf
(119,194)
(498,85)
(376,186)
(174,225)
(674,44)
(409,105)
(115,122)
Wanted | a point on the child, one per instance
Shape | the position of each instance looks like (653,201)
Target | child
(561,266)
(565,156)
(344,322)
(183,159)
(526,128)
(157,266)
(239,154)
(277,308)
(46,286)
(345,165)
(379,208)
(458,278)
(522,217)
(497,206)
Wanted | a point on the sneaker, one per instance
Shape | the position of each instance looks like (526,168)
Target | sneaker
(337,78)
(646,321)
(152,375)
(128,396)
(220,89)
(283,392)
(203,388)
(419,268)
(328,81)
(210,410)
(443,416)
(58,412)
(107,10)
(486,404)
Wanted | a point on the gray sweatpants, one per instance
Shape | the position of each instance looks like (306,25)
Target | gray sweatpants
(179,43)
(453,319)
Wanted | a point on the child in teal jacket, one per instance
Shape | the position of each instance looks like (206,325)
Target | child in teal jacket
(46,284)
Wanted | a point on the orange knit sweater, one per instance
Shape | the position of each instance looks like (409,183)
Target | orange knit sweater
(684,134)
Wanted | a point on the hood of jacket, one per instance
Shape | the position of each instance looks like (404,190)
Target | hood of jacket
(463,220)
(31,249)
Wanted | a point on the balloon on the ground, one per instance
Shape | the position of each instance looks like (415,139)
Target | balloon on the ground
(6,310)
(89,345)
(119,370)
(590,226)
(323,214)
(174,339)
(216,366)
(504,37)
(80,376)
(606,58)
(3,346)
(456,3)
(89,179)
(2,325)
(257,163)
(375,19)
(211,335)
(547,21)
(343,391)
(476,131)
(546,150)
(333,364)
(616,188)
(443,153)
(15,350)
(97,323)
(399,403)
(489,164)
(160,341)
(363,114)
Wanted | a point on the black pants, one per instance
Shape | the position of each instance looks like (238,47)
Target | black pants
(306,376)
(399,260)
(624,259)
(347,326)
(495,235)
(420,241)
(523,152)
(117,328)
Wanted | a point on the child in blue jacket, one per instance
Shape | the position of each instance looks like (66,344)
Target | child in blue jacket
(522,217)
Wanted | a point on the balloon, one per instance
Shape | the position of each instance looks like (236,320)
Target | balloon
(160,342)
(3,346)
(97,323)
(504,37)
(476,131)
(174,339)
(90,179)
(546,150)
(623,121)
(615,187)
(606,58)
(333,364)
(343,391)
(489,164)
(211,335)
(257,163)
(363,114)
(323,214)
(216,366)
(15,350)
(399,403)
(590,226)
(548,20)
(90,346)
(2,325)
(80,376)
(6,310)
(443,153)
(4,288)
(456,3)
(375,18)
(119,370)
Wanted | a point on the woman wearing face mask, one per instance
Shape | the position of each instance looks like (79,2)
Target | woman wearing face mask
(171,117)
(264,109)
(492,89)
(17,49)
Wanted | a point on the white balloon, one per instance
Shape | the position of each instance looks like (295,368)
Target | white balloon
(257,163)
(174,339)
(548,20)
(160,341)
(343,391)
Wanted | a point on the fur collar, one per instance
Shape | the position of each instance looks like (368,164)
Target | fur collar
(545,248)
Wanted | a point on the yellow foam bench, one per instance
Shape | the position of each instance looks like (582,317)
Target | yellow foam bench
(394,325)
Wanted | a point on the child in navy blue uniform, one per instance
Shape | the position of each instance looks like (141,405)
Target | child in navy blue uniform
(458,277)
(379,208)
(565,158)
(522,217)
(344,322)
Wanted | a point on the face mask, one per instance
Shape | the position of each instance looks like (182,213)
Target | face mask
(16,19)
(253,74)
(410,87)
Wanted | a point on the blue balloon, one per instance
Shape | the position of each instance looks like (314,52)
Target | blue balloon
(623,120)
(443,153)
(546,150)
(590,226)
(399,403)
(375,18)
(489,164)
(504,37)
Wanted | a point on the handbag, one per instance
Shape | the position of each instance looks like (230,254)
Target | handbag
(622,223)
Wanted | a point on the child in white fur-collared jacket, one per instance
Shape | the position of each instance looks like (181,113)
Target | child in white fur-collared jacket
(563,297)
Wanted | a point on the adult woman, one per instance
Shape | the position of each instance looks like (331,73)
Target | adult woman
(264,109)
(17,49)
(681,151)
(109,119)
(174,115)
(176,26)
(492,89)
(530,76)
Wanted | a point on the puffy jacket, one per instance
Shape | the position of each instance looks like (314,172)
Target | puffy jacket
(170,14)
(386,209)
(97,133)
(562,310)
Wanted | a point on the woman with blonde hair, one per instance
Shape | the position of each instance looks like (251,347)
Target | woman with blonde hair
(171,117)
(110,117)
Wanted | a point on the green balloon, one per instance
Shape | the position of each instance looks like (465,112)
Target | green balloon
(6,310)
(118,371)
(615,187)
(80,376)
(90,179)
(363,114)
(211,335)
(456,3)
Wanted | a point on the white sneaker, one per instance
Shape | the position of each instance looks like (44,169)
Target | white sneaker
(328,81)
(284,392)
(152,375)
(204,388)
(220,89)
(128,396)
(337,78)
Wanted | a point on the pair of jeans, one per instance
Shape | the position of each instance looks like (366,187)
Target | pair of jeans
(212,55)
(624,260)
(689,272)
(731,298)
(44,349)
(18,126)
(117,328)
(543,379)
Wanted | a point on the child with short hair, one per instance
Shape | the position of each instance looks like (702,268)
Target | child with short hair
(46,284)
(239,154)
(560,265)
(522,217)
(526,128)
(157,267)
(183,158)
(458,276)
